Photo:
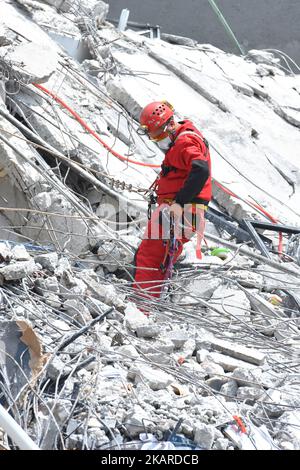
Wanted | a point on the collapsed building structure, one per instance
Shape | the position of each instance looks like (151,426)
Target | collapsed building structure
(216,364)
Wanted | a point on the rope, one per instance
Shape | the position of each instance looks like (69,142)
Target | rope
(90,130)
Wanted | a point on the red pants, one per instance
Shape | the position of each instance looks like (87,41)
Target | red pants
(150,254)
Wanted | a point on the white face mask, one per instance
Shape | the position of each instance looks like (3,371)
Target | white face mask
(164,144)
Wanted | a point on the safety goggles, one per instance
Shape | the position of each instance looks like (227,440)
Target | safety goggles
(160,134)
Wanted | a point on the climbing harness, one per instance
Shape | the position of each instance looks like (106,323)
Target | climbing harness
(172,245)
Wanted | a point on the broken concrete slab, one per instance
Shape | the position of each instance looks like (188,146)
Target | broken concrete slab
(204,435)
(35,63)
(19,253)
(134,318)
(228,363)
(5,253)
(18,270)
(247,377)
(155,378)
(47,261)
(238,351)
(148,331)
(230,388)
(180,40)
(232,302)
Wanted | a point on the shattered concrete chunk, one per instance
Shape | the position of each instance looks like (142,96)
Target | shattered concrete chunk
(19,253)
(249,393)
(246,377)
(204,288)
(18,270)
(148,331)
(155,378)
(212,369)
(232,302)
(230,388)
(47,261)
(178,338)
(180,40)
(204,435)
(128,351)
(238,351)
(56,368)
(77,310)
(228,363)
(5,253)
(137,421)
(35,62)
(134,318)
(43,286)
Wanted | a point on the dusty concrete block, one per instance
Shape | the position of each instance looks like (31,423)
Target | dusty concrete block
(246,377)
(204,288)
(178,338)
(160,346)
(230,388)
(35,62)
(249,393)
(215,383)
(128,351)
(18,270)
(78,310)
(155,378)
(52,300)
(180,40)
(47,261)
(56,368)
(134,318)
(238,351)
(210,368)
(137,420)
(204,435)
(232,302)
(228,363)
(221,444)
(5,253)
(148,331)
(43,286)
(19,253)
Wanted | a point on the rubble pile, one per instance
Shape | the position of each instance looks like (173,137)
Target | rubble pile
(85,363)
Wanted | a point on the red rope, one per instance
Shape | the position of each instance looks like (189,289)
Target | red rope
(90,130)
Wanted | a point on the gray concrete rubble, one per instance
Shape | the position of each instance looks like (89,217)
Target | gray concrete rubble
(103,366)
(34,63)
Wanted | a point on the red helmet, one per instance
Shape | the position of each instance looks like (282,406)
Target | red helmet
(155,115)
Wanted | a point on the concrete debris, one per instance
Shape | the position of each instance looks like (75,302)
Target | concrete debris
(228,363)
(134,318)
(155,379)
(230,388)
(238,351)
(33,62)
(18,270)
(147,331)
(180,40)
(204,436)
(48,261)
(111,369)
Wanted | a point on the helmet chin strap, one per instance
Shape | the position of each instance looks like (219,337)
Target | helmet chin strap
(171,128)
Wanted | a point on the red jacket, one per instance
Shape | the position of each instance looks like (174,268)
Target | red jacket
(186,169)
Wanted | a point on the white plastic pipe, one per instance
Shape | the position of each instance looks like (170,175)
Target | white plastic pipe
(15,432)
(123,19)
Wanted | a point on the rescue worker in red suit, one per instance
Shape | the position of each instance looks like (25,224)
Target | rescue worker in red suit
(183,186)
